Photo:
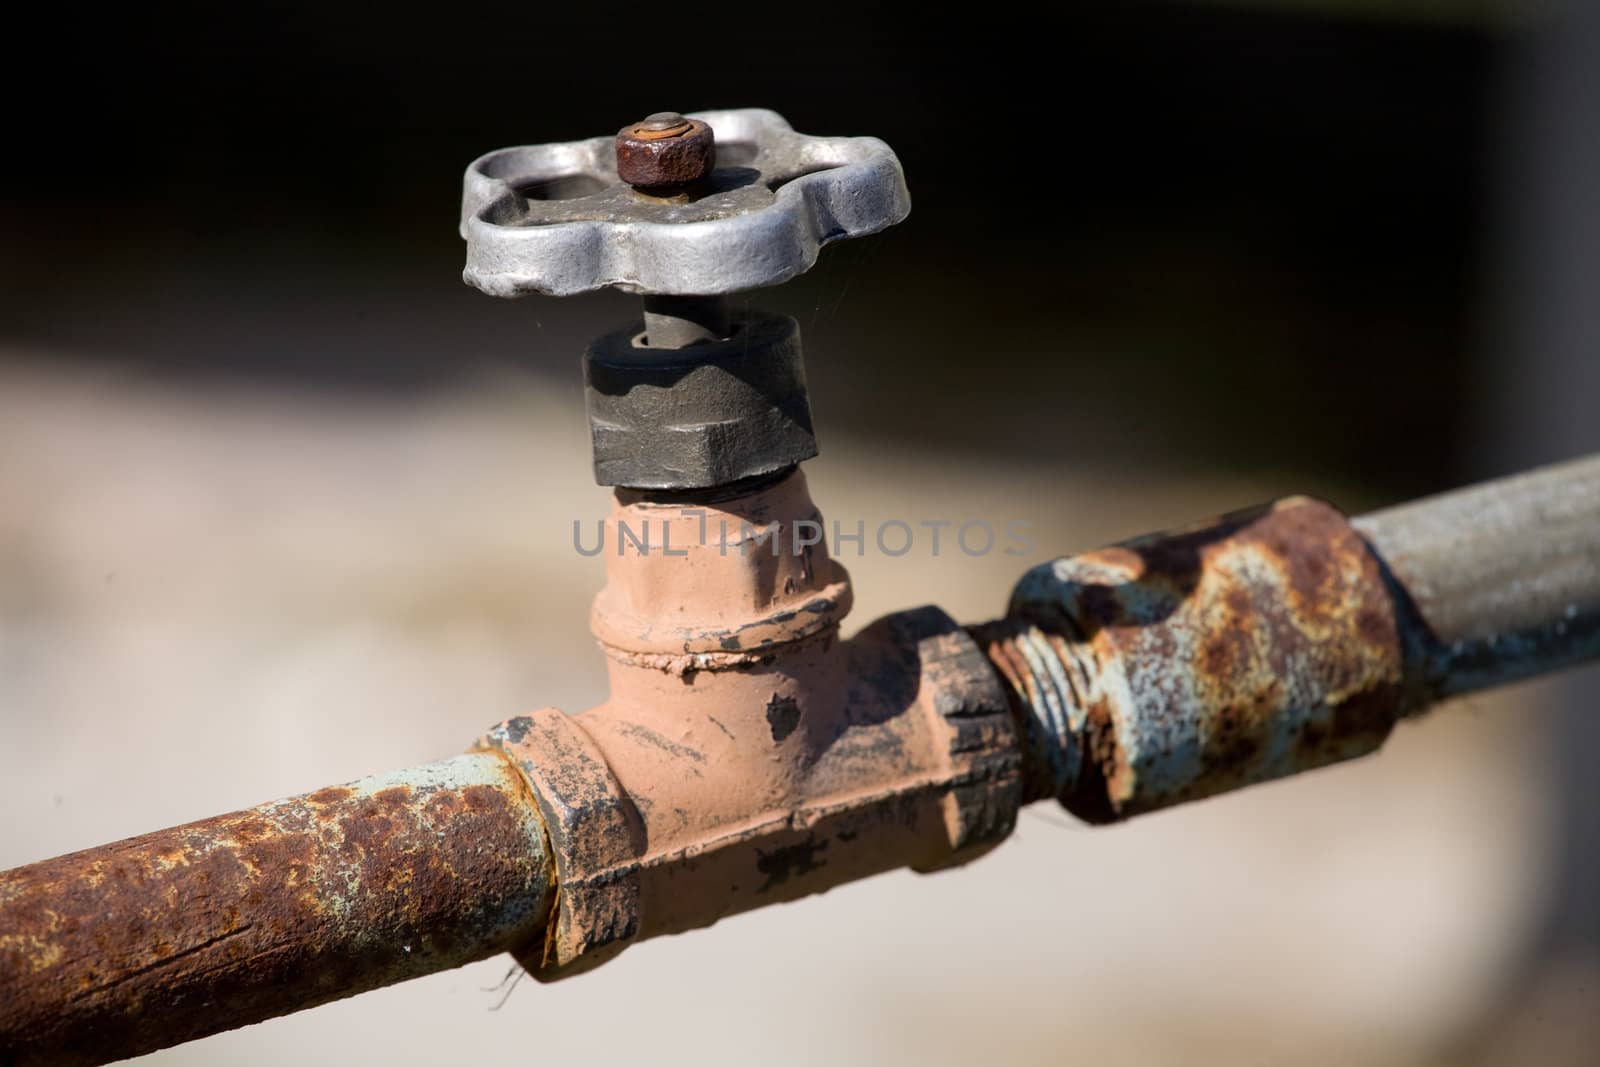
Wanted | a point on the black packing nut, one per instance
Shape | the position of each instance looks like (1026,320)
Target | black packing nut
(702,416)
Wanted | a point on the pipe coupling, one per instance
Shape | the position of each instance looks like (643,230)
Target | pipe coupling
(1181,665)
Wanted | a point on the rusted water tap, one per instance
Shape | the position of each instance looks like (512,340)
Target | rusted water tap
(747,753)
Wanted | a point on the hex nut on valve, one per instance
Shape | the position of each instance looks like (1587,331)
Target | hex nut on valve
(665,153)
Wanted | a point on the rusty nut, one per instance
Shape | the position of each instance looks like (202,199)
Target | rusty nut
(665,153)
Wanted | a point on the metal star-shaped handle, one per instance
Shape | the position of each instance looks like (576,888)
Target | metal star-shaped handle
(557,219)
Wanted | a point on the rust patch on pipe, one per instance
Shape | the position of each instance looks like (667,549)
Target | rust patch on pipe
(160,939)
(1180,665)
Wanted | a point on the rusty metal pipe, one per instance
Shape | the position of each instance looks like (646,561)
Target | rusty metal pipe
(161,939)
(1269,642)
(748,756)
(1503,578)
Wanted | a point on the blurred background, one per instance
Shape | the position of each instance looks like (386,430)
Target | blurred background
(282,502)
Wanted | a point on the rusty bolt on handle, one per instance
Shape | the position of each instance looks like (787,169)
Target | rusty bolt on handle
(665,153)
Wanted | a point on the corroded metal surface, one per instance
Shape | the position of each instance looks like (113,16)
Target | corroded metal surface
(748,756)
(595,835)
(1181,665)
(164,938)
(661,157)
(981,785)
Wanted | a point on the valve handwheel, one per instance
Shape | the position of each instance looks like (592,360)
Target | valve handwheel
(558,219)
(682,210)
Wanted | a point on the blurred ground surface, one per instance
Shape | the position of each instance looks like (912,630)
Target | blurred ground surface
(211,595)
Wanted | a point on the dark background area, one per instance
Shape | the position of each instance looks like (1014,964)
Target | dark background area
(1233,238)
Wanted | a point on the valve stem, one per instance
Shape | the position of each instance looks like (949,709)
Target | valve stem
(680,321)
